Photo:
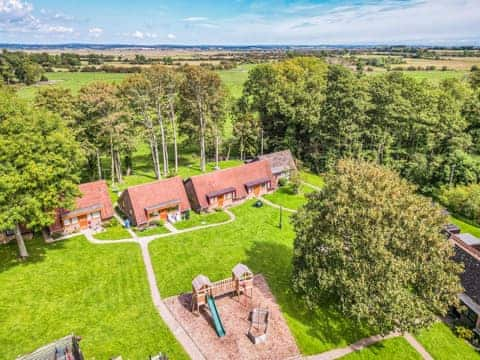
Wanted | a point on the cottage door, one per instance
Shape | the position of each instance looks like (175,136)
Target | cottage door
(220,200)
(164,214)
(256,190)
(82,220)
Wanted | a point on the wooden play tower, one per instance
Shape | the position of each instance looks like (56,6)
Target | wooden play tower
(241,283)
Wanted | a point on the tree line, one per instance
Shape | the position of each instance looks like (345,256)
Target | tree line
(428,132)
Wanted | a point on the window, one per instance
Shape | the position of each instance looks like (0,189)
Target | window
(213,200)
(66,221)
(96,215)
(74,220)
(228,196)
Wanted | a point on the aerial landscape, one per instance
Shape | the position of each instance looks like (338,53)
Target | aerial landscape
(251,179)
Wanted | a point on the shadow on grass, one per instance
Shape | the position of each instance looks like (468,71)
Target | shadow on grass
(37,250)
(316,330)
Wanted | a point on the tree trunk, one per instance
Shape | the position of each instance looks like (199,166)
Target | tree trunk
(99,164)
(164,143)
(113,160)
(156,159)
(217,145)
(22,249)
(118,166)
(261,143)
(203,162)
(174,130)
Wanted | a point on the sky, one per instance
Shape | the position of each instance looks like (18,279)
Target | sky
(241,22)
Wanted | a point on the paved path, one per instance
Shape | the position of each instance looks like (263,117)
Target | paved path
(417,346)
(314,187)
(177,330)
(359,345)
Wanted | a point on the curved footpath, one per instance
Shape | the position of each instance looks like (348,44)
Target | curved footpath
(191,348)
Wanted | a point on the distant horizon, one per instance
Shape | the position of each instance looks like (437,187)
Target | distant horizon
(252,45)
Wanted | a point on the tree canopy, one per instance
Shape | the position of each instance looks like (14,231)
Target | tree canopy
(370,245)
(40,168)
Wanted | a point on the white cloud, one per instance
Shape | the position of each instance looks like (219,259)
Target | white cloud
(17,16)
(12,9)
(95,32)
(56,29)
(195,18)
(171,36)
(137,34)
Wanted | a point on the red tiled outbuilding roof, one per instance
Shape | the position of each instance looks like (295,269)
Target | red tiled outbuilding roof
(147,196)
(94,196)
(237,178)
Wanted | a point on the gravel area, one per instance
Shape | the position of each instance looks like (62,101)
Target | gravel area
(234,314)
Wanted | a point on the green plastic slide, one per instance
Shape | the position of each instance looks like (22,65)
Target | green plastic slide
(215,316)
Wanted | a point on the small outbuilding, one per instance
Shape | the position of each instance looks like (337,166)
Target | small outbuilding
(281,163)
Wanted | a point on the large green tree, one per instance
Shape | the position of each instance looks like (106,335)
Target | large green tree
(40,166)
(370,245)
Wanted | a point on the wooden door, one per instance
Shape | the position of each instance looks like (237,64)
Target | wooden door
(256,190)
(82,220)
(220,201)
(164,214)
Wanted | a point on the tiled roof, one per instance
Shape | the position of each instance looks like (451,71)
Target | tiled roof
(94,195)
(280,161)
(470,257)
(149,195)
(232,178)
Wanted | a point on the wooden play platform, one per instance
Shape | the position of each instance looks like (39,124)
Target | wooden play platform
(234,313)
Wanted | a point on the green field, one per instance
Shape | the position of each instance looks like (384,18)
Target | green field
(202,219)
(440,342)
(235,78)
(114,231)
(154,230)
(391,349)
(433,75)
(285,196)
(71,80)
(99,292)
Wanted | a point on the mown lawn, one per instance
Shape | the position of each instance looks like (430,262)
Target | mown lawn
(154,230)
(70,80)
(99,292)
(442,344)
(114,231)
(234,79)
(285,196)
(465,226)
(202,219)
(311,178)
(391,349)
(255,239)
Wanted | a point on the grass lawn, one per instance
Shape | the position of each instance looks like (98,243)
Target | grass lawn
(114,232)
(311,178)
(202,219)
(71,80)
(254,239)
(465,226)
(154,230)
(396,348)
(285,197)
(442,344)
(235,78)
(99,292)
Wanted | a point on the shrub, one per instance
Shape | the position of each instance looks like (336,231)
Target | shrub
(463,200)
(282,182)
(156,222)
(56,235)
(464,333)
